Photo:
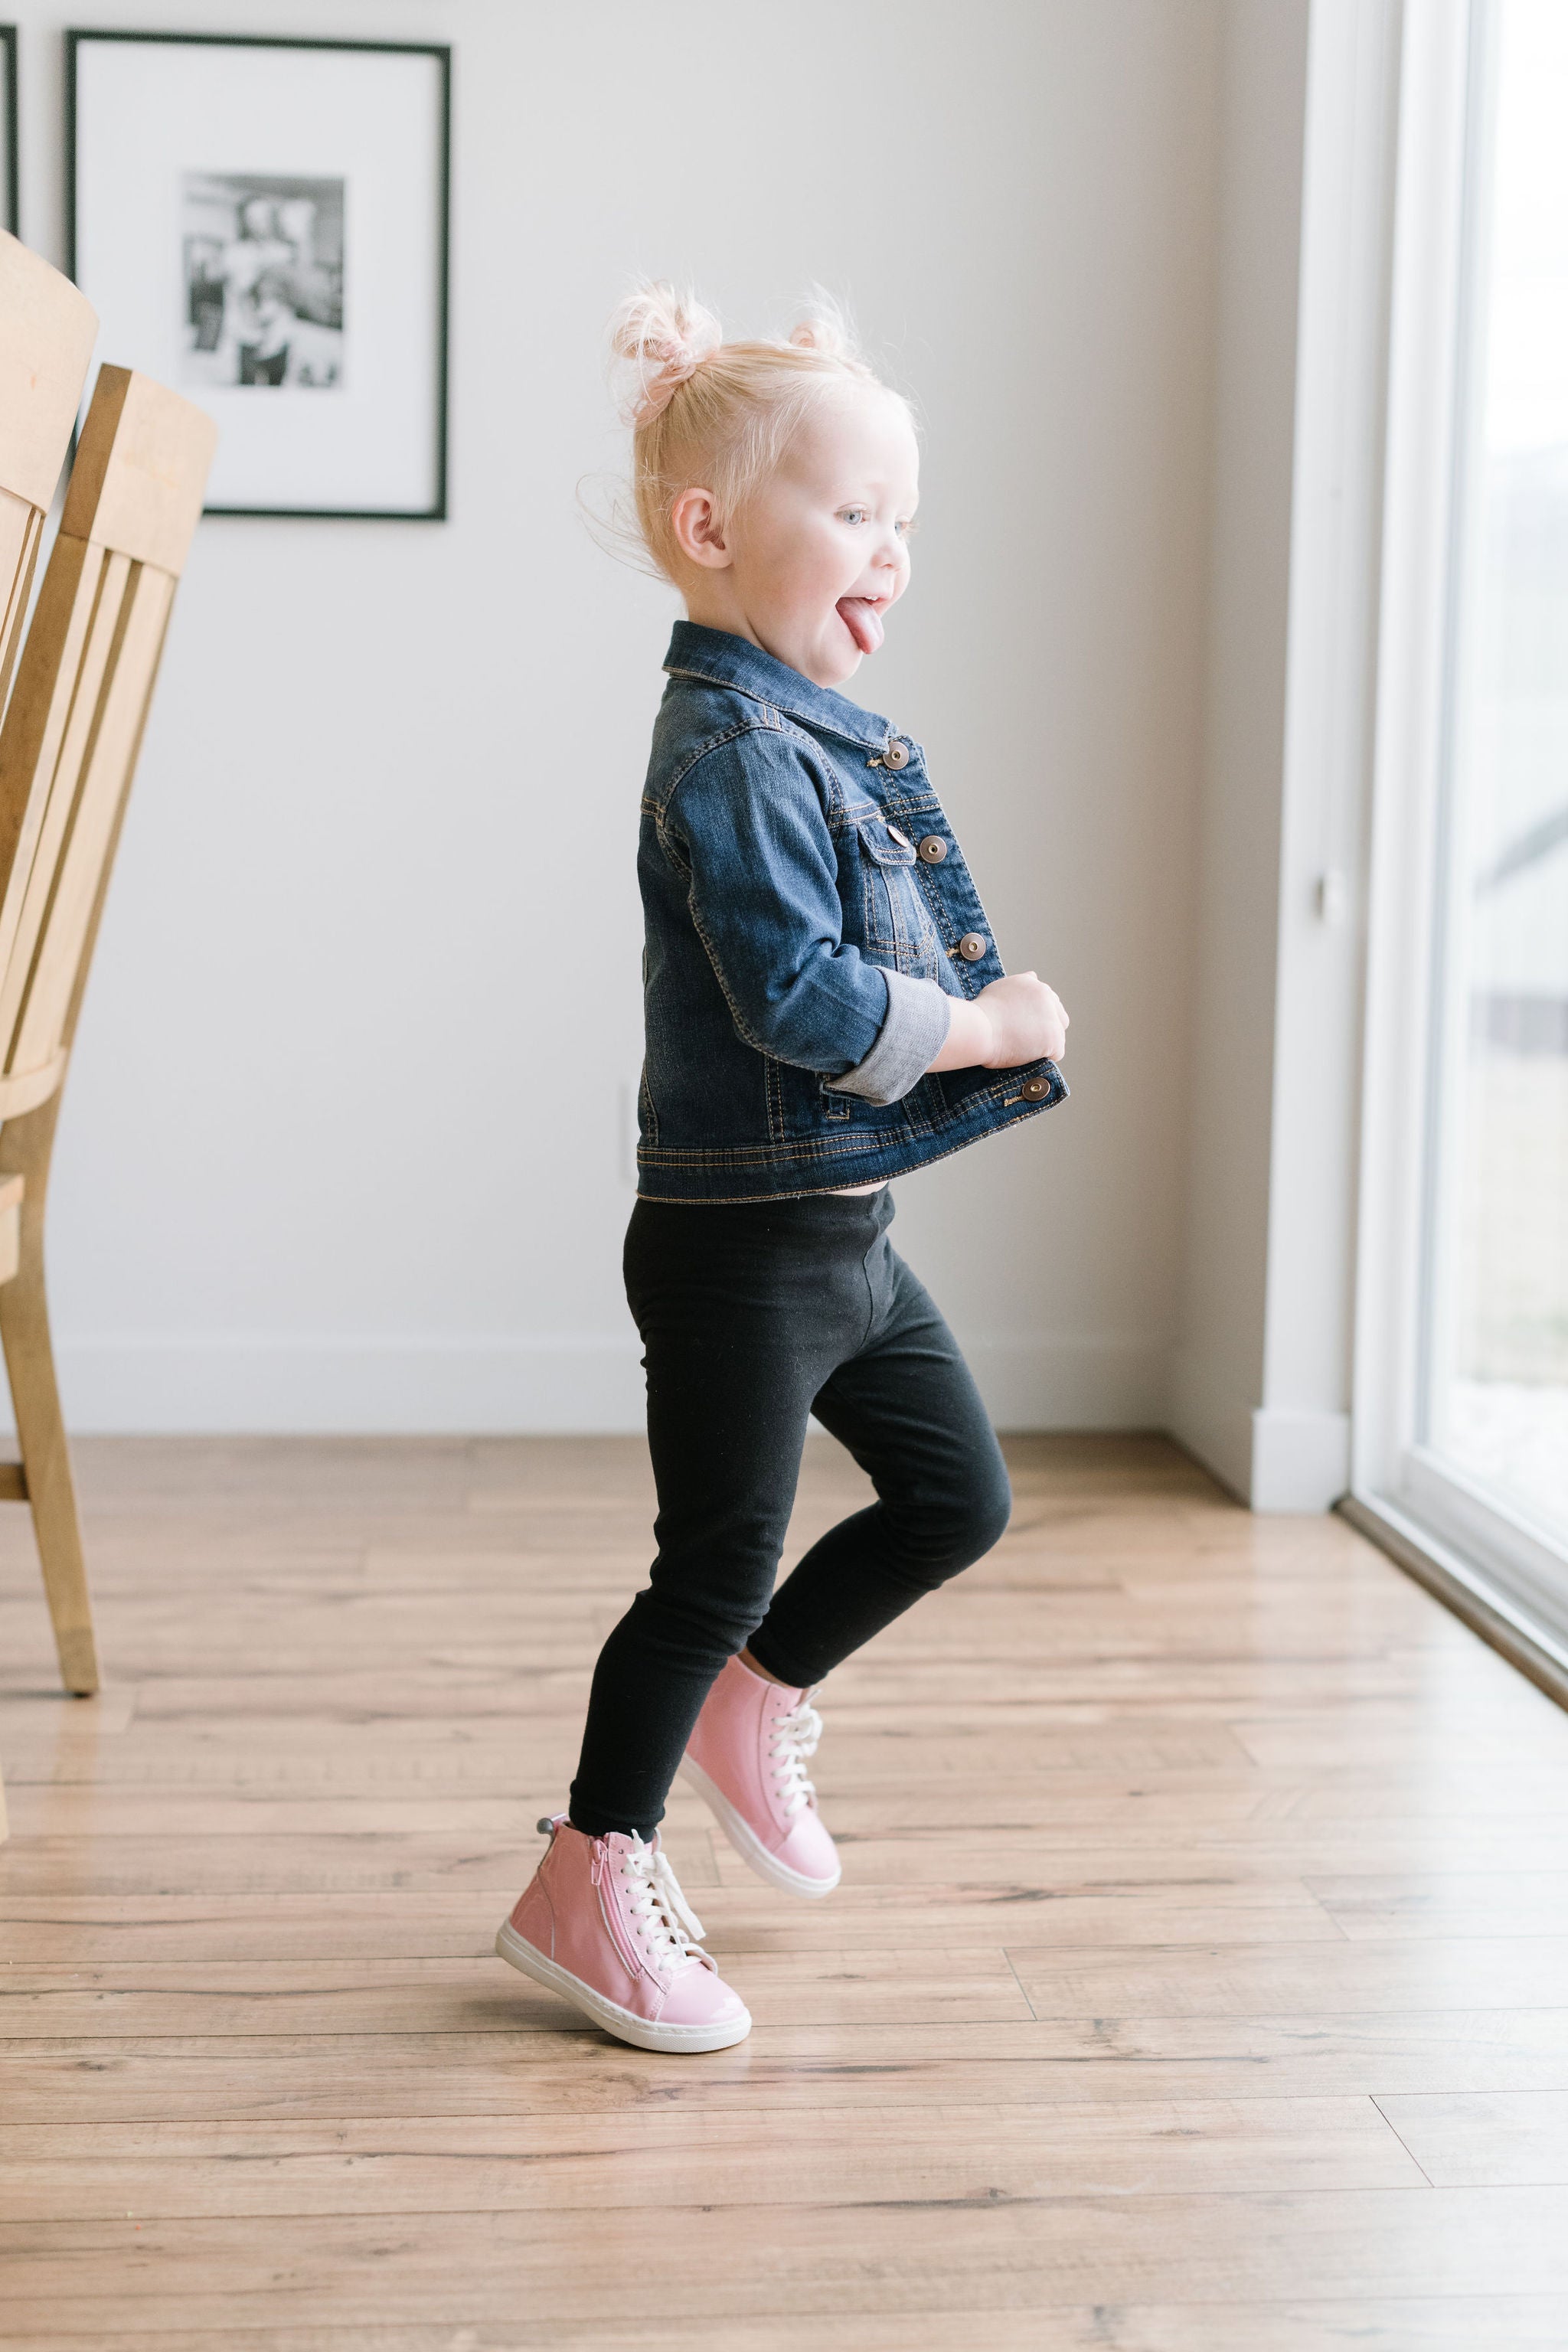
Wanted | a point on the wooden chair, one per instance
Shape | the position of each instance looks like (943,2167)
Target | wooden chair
(67,749)
(46,331)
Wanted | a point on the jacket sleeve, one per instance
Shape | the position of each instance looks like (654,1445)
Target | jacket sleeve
(746,824)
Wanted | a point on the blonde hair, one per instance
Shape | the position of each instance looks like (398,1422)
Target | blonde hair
(705,411)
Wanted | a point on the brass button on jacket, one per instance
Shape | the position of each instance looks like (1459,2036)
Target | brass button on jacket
(972,946)
(932,849)
(897,754)
(1035,1089)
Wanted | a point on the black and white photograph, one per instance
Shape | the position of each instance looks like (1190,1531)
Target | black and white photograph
(263,288)
(251,216)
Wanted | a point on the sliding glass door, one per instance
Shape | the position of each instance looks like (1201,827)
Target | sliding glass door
(1469,1350)
(1495,1407)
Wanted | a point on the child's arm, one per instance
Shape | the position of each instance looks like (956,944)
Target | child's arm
(1015,1020)
(745,828)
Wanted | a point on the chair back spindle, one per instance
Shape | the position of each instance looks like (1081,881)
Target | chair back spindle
(70,736)
(46,329)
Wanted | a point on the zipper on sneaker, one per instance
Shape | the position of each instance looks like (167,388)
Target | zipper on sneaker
(610,1913)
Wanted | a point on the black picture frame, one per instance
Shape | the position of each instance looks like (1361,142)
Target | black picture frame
(441,53)
(11,178)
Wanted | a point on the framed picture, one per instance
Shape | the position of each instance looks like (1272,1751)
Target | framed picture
(263,225)
(10,201)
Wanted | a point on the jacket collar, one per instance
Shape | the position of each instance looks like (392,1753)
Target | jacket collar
(724,660)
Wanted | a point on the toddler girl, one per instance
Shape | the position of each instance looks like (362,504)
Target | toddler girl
(824,1008)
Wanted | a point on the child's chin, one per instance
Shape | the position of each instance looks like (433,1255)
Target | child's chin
(839,666)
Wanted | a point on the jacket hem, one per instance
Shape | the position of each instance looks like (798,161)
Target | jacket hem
(836,1163)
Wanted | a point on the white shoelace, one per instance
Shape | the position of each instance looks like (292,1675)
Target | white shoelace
(666,1921)
(795,1737)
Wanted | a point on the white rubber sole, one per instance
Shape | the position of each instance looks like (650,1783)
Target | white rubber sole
(642,2033)
(746,1841)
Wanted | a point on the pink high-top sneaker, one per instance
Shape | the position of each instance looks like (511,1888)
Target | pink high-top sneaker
(603,1923)
(747,1758)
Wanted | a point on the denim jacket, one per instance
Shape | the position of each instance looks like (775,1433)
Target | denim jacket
(809,916)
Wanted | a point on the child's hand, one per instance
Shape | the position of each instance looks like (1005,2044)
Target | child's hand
(1027,1021)
(1015,1020)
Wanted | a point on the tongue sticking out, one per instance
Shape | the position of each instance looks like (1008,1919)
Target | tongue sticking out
(863,622)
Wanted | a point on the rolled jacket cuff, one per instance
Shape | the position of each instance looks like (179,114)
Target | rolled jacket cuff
(908,1041)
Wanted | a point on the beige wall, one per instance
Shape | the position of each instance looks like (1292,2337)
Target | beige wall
(376,924)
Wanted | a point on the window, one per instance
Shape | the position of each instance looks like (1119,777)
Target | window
(1494,1394)
(1462,1387)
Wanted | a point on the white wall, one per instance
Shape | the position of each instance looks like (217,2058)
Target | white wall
(343,1147)
(1218,1374)
(1262,1376)
(1300,1432)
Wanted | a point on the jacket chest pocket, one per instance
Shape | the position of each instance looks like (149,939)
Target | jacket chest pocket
(897,918)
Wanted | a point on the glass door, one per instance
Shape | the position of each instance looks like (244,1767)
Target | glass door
(1495,1401)
(1475,1340)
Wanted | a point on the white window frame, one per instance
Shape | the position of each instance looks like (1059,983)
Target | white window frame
(1510,1577)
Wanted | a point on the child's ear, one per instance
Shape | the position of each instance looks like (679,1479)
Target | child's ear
(694,519)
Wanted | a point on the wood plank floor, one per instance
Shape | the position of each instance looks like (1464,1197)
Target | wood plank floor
(1198,1981)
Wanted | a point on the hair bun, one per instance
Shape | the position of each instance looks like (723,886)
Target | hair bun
(825,328)
(664,336)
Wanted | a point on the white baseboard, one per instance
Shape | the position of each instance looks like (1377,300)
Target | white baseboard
(272,1387)
(554,1384)
(1272,1460)
(1212,1422)
(1116,1383)
(1300,1460)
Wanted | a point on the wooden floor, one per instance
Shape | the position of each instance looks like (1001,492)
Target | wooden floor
(1198,1981)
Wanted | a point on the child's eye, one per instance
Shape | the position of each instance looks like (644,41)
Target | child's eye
(905,526)
(853,514)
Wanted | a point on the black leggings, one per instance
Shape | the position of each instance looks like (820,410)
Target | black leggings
(754,1315)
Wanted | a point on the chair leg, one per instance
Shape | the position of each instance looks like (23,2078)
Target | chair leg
(27,1146)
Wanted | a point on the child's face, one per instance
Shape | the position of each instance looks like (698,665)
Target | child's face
(811,561)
